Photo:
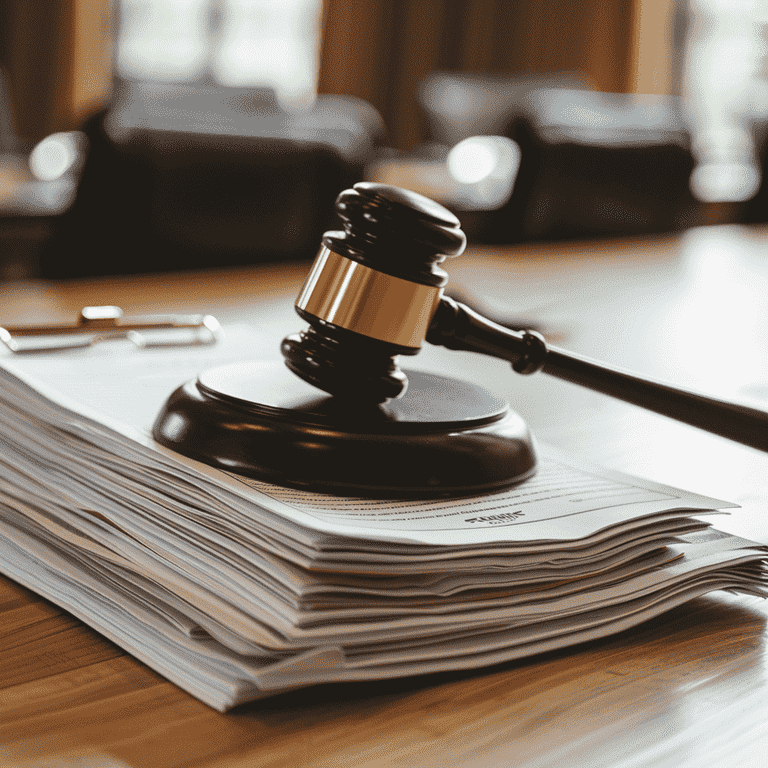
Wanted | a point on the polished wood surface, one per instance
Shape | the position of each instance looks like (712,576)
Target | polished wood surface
(687,689)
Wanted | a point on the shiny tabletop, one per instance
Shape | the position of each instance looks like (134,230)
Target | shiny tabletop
(689,688)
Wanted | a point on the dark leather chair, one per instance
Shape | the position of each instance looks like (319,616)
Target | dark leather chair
(592,164)
(187,176)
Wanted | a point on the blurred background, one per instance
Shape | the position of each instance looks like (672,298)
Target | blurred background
(147,135)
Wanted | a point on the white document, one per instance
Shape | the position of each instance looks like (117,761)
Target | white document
(234,588)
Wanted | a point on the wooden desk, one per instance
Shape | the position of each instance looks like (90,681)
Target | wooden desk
(687,689)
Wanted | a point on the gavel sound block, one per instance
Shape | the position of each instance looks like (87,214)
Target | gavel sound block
(342,417)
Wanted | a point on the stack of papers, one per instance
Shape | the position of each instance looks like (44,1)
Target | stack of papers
(235,589)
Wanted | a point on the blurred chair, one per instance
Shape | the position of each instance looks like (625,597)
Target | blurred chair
(193,176)
(592,164)
(605,165)
(459,105)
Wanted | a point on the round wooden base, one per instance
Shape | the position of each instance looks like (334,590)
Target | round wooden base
(444,437)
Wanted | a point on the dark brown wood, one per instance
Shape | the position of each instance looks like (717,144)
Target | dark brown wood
(392,231)
(396,231)
(400,233)
(445,437)
(460,328)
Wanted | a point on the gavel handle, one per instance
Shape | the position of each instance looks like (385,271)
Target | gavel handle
(456,326)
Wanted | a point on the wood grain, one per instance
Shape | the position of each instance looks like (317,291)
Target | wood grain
(689,688)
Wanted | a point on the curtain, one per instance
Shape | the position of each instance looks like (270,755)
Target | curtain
(380,50)
(57,55)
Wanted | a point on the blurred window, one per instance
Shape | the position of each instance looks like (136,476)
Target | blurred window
(229,42)
(726,96)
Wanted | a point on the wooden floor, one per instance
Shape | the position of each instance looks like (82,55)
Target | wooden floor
(687,689)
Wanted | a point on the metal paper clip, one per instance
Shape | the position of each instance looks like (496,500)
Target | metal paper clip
(97,324)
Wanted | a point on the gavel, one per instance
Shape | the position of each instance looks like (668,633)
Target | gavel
(373,295)
(375,292)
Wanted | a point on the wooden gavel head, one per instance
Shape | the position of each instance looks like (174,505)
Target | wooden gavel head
(372,292)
